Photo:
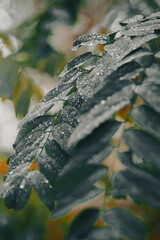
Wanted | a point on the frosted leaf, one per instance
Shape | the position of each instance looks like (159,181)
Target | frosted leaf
(51,99)
(120,48)
(42,186)
(135,19)
(68,115)
(87,84)
(61,134)
(85,128)
(150,93)
(89,40)
(70,76)
(101,111)
(91,148)
(17,186)
(141,30)
(136,54)
(75,100)
(125,45)
(38,124)
(153,16)
(149,23)
(76,62)
(13,192)
(30,140)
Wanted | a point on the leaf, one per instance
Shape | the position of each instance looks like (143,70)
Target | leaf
(89,40)
(135,19)
(125,223)
(147,118)
(124,45)
(141,30)
(51,160)
(71,76)
(150,93)
(23,101)
(76,62)
(8,76)
(52,98)
(94,148)
(6,226)
(105,103)
(137,54)
(137,182)
(146,146)
(75,186)
(75,100)
(43,122)
(100,233)
(61,134)
(82,223)
(68,115)
(17,187)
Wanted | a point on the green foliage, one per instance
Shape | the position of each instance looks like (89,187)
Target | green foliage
(70,145)
(33,50)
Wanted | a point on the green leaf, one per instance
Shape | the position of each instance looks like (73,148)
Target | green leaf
(89,40)
(137,182)
(75,186)
(76,62)
(105,103)
(82,223)
(94,148)
(150,93)
(124,45)
(52,98)
(135,19)
(68,115)
(126,223)
(17,187)
(148,119)
(146,146)
(100,233)
(8,76)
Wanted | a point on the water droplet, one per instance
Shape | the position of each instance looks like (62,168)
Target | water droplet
(22,185)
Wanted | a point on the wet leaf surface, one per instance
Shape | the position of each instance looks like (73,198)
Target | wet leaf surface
(89,40)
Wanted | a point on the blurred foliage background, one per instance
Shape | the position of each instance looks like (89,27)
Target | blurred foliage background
(35,44)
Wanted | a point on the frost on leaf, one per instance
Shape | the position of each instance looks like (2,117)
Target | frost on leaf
(52,98)
(101,107)
(132,20)
(76,62)
(89,40)
(18,184)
